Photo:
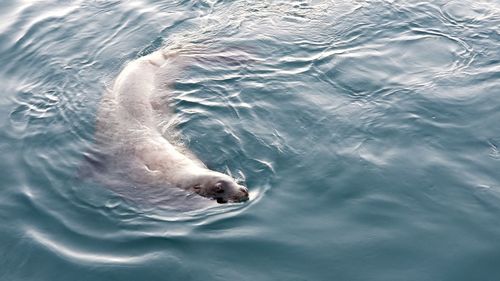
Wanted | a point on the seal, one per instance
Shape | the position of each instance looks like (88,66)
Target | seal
(128,132)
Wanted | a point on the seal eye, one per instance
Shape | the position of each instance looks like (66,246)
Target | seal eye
(219,187)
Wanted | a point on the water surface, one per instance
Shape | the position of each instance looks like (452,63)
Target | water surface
(366,131)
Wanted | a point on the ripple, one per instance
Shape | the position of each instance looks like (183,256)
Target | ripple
(80,255)
(430,50)
(494,150)
(469,11)
(415,57)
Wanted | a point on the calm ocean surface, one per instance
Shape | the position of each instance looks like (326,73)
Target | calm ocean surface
(368,133)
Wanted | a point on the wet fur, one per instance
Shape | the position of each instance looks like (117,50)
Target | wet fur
(131,144)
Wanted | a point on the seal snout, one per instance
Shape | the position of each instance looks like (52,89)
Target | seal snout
(242,194)
(234,194)
(244,190)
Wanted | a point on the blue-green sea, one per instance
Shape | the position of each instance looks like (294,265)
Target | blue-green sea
(367,132)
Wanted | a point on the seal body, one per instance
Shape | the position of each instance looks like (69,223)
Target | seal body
(128,135)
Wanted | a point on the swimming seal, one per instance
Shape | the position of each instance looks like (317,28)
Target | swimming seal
(128,127)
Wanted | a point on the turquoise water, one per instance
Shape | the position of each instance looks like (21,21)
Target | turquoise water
(366,131)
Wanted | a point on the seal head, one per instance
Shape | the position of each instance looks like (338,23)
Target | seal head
(219,187)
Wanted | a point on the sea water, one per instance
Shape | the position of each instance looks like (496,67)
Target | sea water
(366,131)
